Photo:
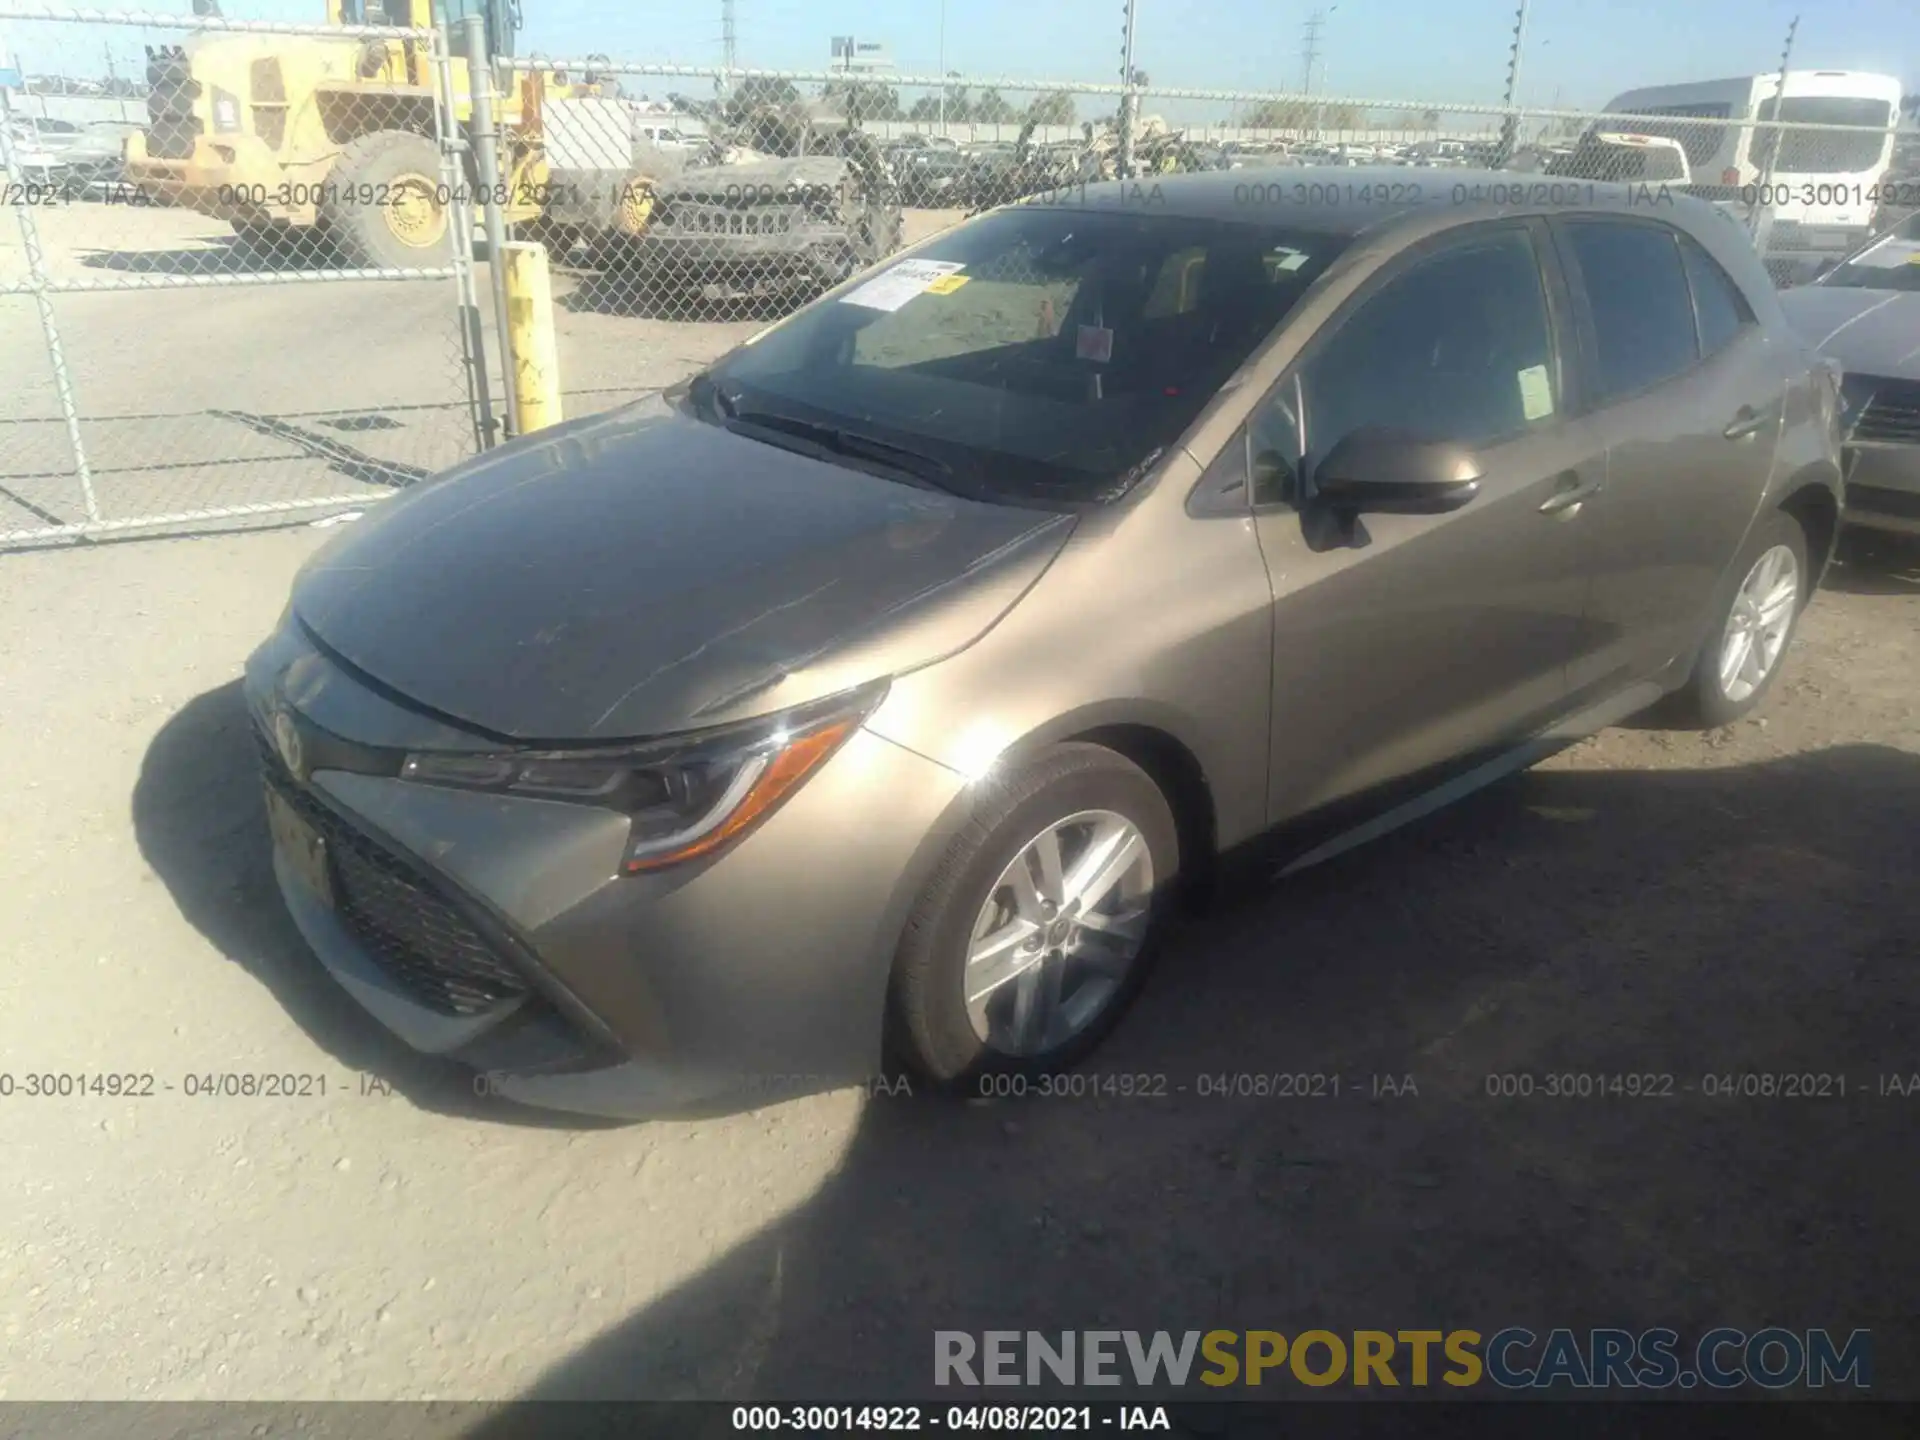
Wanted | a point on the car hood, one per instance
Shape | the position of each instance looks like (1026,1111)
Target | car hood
(757,181)
(1870,332)
(639,572)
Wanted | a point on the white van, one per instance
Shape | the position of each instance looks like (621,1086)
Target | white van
(1815,190)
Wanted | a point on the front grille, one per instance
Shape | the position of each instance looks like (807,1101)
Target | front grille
(171,91)
(1891,415)
(723,220)
(398,915)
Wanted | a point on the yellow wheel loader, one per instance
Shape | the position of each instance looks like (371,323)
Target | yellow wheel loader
(309,144)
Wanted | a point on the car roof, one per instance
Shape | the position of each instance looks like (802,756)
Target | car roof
(1348,203)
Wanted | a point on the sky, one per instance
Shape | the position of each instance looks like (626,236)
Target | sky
(1578,53)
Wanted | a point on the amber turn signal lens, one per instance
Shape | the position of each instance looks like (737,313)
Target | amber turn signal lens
(782,776)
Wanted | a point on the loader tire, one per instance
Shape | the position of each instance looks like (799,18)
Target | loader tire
(383,203)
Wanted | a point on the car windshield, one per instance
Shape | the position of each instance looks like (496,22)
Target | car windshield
(1039,355)
(1891,262)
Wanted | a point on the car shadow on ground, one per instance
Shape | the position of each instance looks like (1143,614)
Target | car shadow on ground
(200,824)
(1686,932)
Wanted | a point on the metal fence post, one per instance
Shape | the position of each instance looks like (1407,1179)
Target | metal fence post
(37,282)
(453,147)
(1765,187)
(1127,101)
(487,157)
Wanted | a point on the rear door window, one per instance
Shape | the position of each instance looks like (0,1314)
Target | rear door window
(1641,308)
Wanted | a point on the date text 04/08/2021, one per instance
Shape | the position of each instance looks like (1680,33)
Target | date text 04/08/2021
(1041,1419)
(146,1084)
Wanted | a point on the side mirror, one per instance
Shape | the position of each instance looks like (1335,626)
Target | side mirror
(1386,472)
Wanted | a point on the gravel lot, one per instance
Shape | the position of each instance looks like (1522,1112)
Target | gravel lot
(1648,902)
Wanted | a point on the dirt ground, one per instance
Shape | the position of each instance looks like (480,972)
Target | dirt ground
(1645,903)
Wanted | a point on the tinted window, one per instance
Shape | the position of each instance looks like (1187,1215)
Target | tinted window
(1063,352)
(1822,152)
(1457,348)
(1642,312)
(1717,300)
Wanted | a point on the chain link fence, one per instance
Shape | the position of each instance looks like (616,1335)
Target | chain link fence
(255,299)
(695,221)
(261,296)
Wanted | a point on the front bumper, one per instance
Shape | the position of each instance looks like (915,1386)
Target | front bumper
(757,974)
(1883,488)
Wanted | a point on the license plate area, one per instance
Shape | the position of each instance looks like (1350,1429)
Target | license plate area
(302,846)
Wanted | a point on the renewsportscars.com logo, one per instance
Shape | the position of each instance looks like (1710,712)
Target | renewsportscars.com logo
(1515,1358)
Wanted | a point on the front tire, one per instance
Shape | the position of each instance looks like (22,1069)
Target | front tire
(1771,582)
(1040,923)
(382,206)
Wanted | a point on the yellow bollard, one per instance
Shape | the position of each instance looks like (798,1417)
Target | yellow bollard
(536,362)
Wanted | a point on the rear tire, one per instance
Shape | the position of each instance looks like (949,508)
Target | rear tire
(981,987)
(1767,587)
(382,205)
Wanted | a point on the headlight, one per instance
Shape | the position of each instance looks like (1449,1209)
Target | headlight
(687,796)
(226,111)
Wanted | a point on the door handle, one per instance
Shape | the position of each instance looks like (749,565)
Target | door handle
(1747,421)
(1572,494)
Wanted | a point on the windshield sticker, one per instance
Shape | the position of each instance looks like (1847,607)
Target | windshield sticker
(947,284)
(1093,343)
(900,283)
(1536,394)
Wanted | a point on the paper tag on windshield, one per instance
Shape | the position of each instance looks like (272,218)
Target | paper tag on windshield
(1094,343)
(947,284)
(1536,393)
(900,283)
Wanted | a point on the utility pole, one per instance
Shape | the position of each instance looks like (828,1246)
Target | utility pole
(1758,211)
(1510,126)
(729,50)
(1310,50)
(943,69)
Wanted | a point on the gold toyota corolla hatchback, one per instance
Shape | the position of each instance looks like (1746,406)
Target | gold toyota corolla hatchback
(877,692)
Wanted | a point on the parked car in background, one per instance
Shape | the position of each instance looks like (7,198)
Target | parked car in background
(40,148)
(1624,156)
(929,174)
(883,690)
(95,161)
(1865,314)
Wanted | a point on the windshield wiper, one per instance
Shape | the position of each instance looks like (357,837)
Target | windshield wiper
(916,464)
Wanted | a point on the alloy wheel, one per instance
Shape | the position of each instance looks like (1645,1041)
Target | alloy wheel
(1058,934)
(1757,627)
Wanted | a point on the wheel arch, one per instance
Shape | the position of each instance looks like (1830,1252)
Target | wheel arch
(1810,496)
(348,114)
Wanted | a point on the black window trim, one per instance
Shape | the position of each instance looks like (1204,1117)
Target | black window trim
(1429,248)
(1582,303)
